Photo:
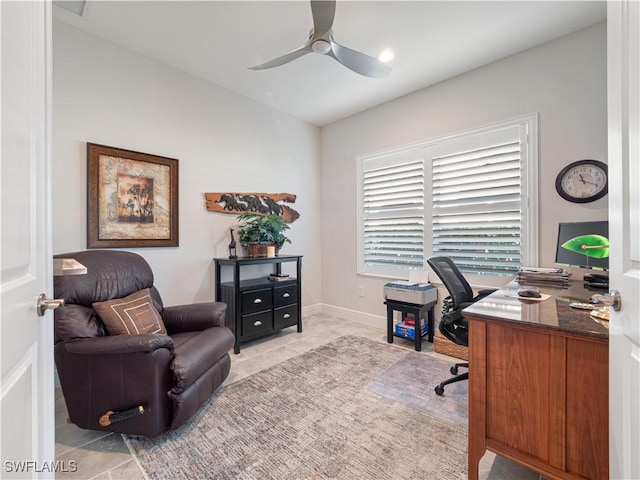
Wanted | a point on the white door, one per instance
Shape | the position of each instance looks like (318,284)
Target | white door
(26,339)
(623,51)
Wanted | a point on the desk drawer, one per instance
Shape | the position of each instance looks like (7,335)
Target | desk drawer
(256,300)
(257,324)
(285,295)
(285,316)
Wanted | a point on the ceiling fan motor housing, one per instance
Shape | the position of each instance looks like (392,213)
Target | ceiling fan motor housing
(321,46)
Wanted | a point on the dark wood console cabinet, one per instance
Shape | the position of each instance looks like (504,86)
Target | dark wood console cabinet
(258,307)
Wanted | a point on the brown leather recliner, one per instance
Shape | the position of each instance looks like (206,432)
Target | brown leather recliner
(169,375)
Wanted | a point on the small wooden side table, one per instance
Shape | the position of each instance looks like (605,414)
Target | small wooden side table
(419,312)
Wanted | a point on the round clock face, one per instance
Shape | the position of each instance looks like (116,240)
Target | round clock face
(583,181)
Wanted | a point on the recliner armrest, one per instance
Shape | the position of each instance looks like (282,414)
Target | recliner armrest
(119,344)
(194,317)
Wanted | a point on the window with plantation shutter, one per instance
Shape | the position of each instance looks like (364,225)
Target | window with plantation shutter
(470,196)
(392,213)
(476,201)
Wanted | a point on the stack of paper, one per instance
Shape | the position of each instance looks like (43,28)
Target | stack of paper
(543,276)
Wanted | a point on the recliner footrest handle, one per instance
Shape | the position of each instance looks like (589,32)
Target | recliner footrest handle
(112,417)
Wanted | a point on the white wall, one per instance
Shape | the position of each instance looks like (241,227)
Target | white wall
(224,142)
(564,81)
(108,95)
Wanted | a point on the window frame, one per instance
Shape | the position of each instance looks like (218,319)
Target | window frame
(528,128)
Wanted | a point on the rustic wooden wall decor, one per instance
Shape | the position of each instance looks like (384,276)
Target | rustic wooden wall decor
(260,203)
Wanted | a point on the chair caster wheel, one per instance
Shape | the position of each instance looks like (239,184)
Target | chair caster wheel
(454,370)
(439,390)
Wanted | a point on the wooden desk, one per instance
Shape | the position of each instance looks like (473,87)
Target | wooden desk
(539,383)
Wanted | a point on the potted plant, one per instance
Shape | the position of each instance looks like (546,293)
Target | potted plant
(258,232)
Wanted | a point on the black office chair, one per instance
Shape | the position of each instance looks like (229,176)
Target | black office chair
(452,324)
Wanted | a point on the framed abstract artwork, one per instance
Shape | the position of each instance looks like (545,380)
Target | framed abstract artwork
(132,199)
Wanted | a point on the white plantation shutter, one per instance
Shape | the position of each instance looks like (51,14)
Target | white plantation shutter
(470,196)
(477,201)
(392,213)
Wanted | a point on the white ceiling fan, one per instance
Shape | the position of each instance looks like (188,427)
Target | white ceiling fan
(321,41)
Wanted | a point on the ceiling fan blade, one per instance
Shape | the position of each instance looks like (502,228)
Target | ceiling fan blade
(286,58)
(323,14)
(359,62)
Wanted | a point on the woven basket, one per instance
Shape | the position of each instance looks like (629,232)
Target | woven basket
(447,347)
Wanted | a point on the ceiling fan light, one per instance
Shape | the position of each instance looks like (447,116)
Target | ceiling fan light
(386,55)
(321,46)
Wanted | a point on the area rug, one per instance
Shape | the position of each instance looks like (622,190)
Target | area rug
(412,381)
(326,414)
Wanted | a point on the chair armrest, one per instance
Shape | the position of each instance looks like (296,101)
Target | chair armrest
(455,327)
(487,291)
(194,317)
(483,293)
(454,317)
(120,344)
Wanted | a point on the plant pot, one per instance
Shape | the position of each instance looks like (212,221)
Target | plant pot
(262,249)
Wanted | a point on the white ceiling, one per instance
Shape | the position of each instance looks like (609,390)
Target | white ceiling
(432,41)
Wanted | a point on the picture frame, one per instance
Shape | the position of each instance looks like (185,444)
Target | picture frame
(132,199)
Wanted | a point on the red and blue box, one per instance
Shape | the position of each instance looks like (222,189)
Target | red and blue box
(406,331)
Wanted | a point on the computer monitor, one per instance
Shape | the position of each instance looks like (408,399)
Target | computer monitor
(583,245)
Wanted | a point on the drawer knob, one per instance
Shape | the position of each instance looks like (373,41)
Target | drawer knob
(286,295)
(257,323)
(257,300)
(286,315)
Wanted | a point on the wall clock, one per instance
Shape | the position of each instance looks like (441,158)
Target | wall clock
(583,181)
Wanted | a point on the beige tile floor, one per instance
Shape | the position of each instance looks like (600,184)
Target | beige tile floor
(101,456)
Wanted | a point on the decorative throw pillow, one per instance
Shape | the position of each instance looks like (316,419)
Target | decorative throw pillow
(131,315)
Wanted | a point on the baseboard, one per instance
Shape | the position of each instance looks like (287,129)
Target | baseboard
(311,310)
(361,317)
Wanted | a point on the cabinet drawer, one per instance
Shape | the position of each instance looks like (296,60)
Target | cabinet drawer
(257,324)
(285,295)
(285,316)
(256,300)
